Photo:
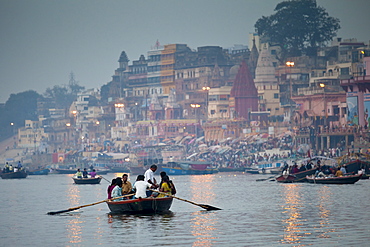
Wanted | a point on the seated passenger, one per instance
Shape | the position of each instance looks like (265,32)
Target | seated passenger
(140,187)
(92,173)
(84,173)
(110,188)
(78,173)
(117,190)
(165,186)
(339,173)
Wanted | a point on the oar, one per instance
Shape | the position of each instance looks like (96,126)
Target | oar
(105,179)
(87,205)
(264,179)
(207,207)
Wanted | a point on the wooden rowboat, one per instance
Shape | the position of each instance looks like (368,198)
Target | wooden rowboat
(288,178)
(88,180)
(351,179)
(141,205)
(13,175)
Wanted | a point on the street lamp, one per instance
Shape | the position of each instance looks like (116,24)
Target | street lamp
(206,88)
(322,85)
(195,107)
(290,64)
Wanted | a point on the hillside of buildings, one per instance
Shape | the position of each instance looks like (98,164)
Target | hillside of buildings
(321,101)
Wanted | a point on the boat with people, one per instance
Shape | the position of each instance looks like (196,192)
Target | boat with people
(187,167)
(141,205)
(350,179)
(13,175)
(88,180)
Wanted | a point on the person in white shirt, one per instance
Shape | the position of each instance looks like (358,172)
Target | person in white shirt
(149,176)
(140,187)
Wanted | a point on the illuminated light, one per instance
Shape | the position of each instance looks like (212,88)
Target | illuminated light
(11,124)
(68,124)
(119,105)
(322,85)
(194,105)
(289,64)
(97,122)
(74,112)
(206,88)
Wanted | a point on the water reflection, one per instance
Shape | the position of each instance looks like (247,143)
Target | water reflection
(292,212)
(325,199)
(74,225)
(203,222)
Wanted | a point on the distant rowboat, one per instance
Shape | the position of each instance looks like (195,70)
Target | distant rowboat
(88,180)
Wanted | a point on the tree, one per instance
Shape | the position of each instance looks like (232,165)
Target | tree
(298,27)
(64,95)
(18,108)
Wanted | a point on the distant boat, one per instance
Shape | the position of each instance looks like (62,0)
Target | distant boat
(12,175)
(141,205)
(189,168)
(231,169)
(44,171)
(88,180)
(351,179)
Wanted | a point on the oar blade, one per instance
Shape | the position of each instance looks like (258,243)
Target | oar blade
(60,212)
(209,207)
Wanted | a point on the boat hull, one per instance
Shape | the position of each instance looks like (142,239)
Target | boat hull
(141,205)
(14,175)
(286,178)
(179,171)
(335,180)
(39,172)
(231,169)
(87,180)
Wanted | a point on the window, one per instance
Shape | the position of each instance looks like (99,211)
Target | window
(276,95)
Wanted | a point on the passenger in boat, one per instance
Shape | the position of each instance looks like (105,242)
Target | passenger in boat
(295,169)
(78,173)
(10,168)
(126,185)
(110,188)
(172,186)
(19,166)
(117,190)
(149,176)
(6,168)
(92,173)
(140,187)
(165,186)
(339,173)
(84,173)
(343,169)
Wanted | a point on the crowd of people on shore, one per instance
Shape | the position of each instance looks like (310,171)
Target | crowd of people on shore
(10,168)
(144,186)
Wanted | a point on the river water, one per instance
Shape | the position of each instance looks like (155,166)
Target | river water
(255,213)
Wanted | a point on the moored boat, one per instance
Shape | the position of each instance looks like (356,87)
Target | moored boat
(88,180)
(351,179)
(231,169)
(39,172)
(12,175)
(251,170)
(141,205)
(189,168)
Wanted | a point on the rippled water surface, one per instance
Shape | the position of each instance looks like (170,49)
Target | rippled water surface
(255,213)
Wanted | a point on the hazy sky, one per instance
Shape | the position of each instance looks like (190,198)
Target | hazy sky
(43,41)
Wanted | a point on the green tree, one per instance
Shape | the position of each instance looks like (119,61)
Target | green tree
(298,27)
(18,108)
